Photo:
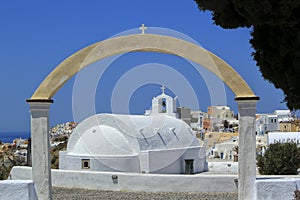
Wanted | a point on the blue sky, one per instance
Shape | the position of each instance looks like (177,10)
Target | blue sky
(36,36)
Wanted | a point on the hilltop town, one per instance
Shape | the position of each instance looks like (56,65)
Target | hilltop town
(217,128)
(17,153)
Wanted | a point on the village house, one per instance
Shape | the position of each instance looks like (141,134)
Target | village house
(277,121)
(216,117)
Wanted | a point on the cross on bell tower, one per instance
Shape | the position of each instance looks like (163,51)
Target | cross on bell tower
(163,88)
(163,104)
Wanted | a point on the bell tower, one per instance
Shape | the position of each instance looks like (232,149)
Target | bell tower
(163,104)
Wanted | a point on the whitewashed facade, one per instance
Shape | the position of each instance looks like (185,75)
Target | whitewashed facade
(283,115)
(266,123)
(270,122)
(225,150)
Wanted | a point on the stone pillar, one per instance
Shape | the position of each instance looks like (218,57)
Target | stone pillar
(41,167)
(247,147)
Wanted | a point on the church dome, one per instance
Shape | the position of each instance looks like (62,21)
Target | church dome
(102,140)
(120,135)
(111,135)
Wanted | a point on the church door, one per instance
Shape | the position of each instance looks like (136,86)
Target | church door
(189,166)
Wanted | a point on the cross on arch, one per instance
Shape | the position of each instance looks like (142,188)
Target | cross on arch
(143,28)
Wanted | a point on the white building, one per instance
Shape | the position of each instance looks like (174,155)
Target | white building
(197,119)
(184,114)
(266,123)
(284,115)
(152,143)
(225,150)
(193,118)
(216,117)
(270,122)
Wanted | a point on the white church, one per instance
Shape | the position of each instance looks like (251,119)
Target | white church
(156,142)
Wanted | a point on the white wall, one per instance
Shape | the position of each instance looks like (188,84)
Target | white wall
(17,189)
(267,187)
(135,181)
(109,163)
(276,189)
(172,161)
(284,137)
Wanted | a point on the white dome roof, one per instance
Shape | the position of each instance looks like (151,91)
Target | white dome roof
(102,140)
(109,134)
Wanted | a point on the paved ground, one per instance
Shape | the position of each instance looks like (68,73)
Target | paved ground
(67,193)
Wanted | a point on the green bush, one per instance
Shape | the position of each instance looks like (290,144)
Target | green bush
(4,172)
(279,159)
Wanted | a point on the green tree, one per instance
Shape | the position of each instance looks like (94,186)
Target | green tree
(4,172)
(275,32)
(279,159)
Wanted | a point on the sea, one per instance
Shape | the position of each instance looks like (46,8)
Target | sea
(8,137)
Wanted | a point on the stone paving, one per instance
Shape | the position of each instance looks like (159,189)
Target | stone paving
(60,193)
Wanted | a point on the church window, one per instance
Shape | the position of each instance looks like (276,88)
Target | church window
(85,163)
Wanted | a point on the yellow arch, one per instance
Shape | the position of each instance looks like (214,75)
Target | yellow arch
(141,42)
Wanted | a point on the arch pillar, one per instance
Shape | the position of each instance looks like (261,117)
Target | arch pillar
(247,148)
(40,145)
